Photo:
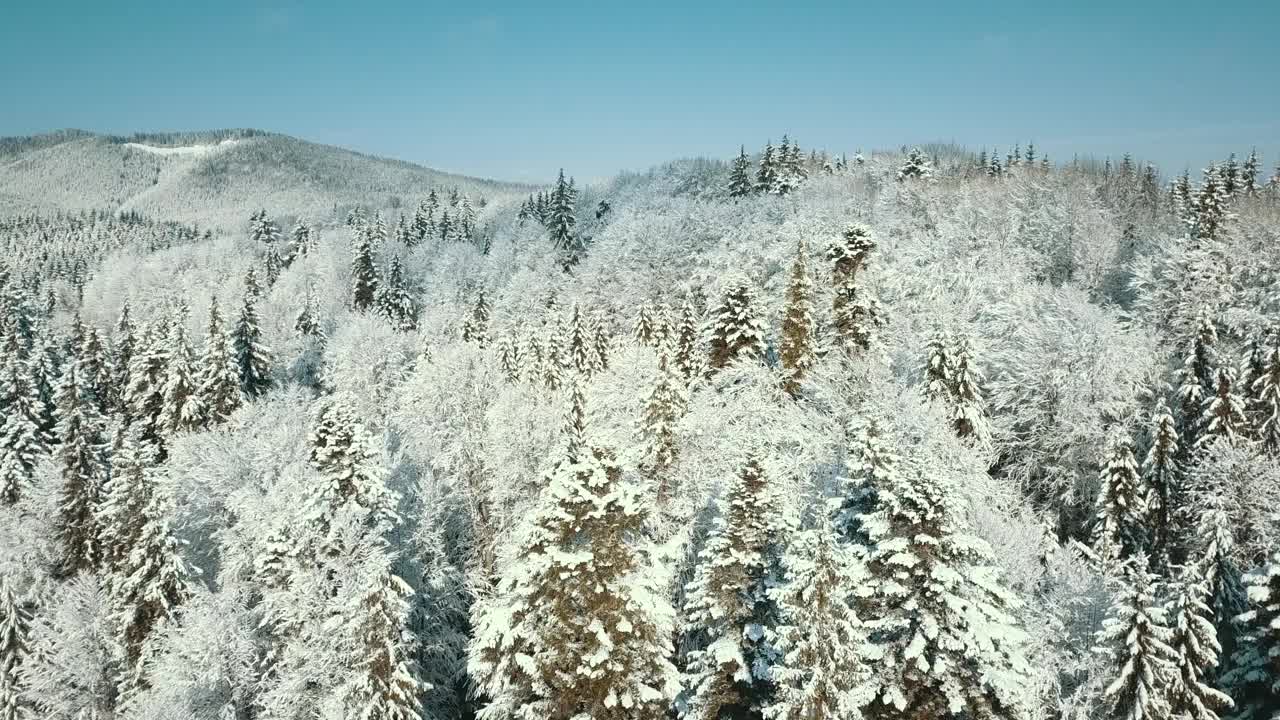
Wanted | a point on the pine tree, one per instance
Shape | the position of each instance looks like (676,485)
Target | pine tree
(1210,206)
(15,641)
(264,230)
(1120,519)
(121,362)
(1255,675)
(797,350)
(147,371)
(22,442)
(939,620)
(767,175)
(301,242)
(1265,392)
(553,364)
(364,276)
(219,386)
(729,609)
(740,176)
(83,465)
(823,673)
(1223,416)
(562,220)
(395,301)
(580,625)
(307,324)
(686,342)
(476,328)
(856,315)
(736,331)
(1249,174)
(1194,642)
(1214,547)
(1160,474)
(580,351)
(937,368)
(346,454)
(646,328)
(665,406)
(916,166)
(95,374)
(1135,637)
(253,358)
(1197,383)
(183,410)
(968,417)
(386,684)
(601,346)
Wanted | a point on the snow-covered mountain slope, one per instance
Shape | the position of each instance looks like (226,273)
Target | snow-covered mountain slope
(211,178)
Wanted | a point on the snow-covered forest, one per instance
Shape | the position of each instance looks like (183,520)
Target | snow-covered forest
(801,435)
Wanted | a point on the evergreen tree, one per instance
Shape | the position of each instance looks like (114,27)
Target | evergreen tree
(580,626)
(968,416)
(856,315)
(301,242)
(602,346)
(665,406)
(937,368)
(1120,519)
(994,169)
(1223,416)
(1216,566)
(95,374)
(1249,174)
(823,674)
(15,641)
(22,442)
(580,350)
(121,362)
(562,220)
(219,386)
(508,359)
(1160,474)
(767,175)
(182,410)
(1255,675)
(1197,383)
(395,302)
(253,358)
(1265,391)
(264,230)
(1210,206)
(740,176)
(364,277)
(1135,637)
(939,620)
(686,342)
(346,454)
(307,324)
(797,326)
(728,607)
(83,466)
(1194,642)
(147,371)
(736,331)
(385,685)
(476,328)
(916,166)
(646,329)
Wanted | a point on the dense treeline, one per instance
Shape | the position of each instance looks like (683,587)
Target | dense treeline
(905,435)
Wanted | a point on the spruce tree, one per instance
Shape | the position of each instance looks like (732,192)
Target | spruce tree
(740,175)
(1223,417)
(219,386)
(346,454)
(562,220)
(307,324)
(1214,546)
(686,342)
(645,331)
(1209,206)
(1135,637)
(395,301)
(580,625)
(508,359)
(123,347)
(364,276)
(83,466)
(824,673)
(1249,174)
(147,371)
(767,175)
(95,374)
(580,350)
(797,351)
(15,645)
(941,623)
(386,684)
(1255,673)
(729,609)
(253,358)
(1197,380)
(1160,475)
(22,442)
(601,346)
(1120,511)
(1265,392)
(1196,651)
(183,410)
(665,406)
(736,331)
(915,166)
(476,328)
(964,380)
(855,313)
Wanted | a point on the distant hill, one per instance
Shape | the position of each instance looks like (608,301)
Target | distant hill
(212,178)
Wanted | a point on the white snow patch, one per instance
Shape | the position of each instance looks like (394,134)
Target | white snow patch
(183,149)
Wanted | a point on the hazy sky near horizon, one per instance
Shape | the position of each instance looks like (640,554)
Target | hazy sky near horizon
(516,90)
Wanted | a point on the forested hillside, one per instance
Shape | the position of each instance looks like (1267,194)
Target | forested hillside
(905,435)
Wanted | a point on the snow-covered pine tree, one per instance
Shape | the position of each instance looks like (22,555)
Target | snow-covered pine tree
(580,351)
(968,416)
(729,612)
(346,454)
(15,644)
(686,342)
(855,313)
(508,358)
(83,466)
(740,175)
(22,441)
(301,242)
(307,324)
(476,328)
(1135,638)
(123,347)
(797,351)
(1192,693)
(645,331)
(1223,412)
(1120,518)
(1255,672)
(553,364)
(395,302)
(219,387)
(264,230)
(385,683)
(736,331)
(1265,392)
(1216,565)
(364,276)
(941,625)
(601,345)
(915,166)
(1249,174)
(145,394)
(95,374)
(183,410)
(1197,383)
(824,672)
(253,357)
(562,219)
(937,368)
(580,626)
(767,174)
(665,406)
(1160,475)
(1210,213)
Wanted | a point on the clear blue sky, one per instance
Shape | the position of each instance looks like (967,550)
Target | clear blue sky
(515,90)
